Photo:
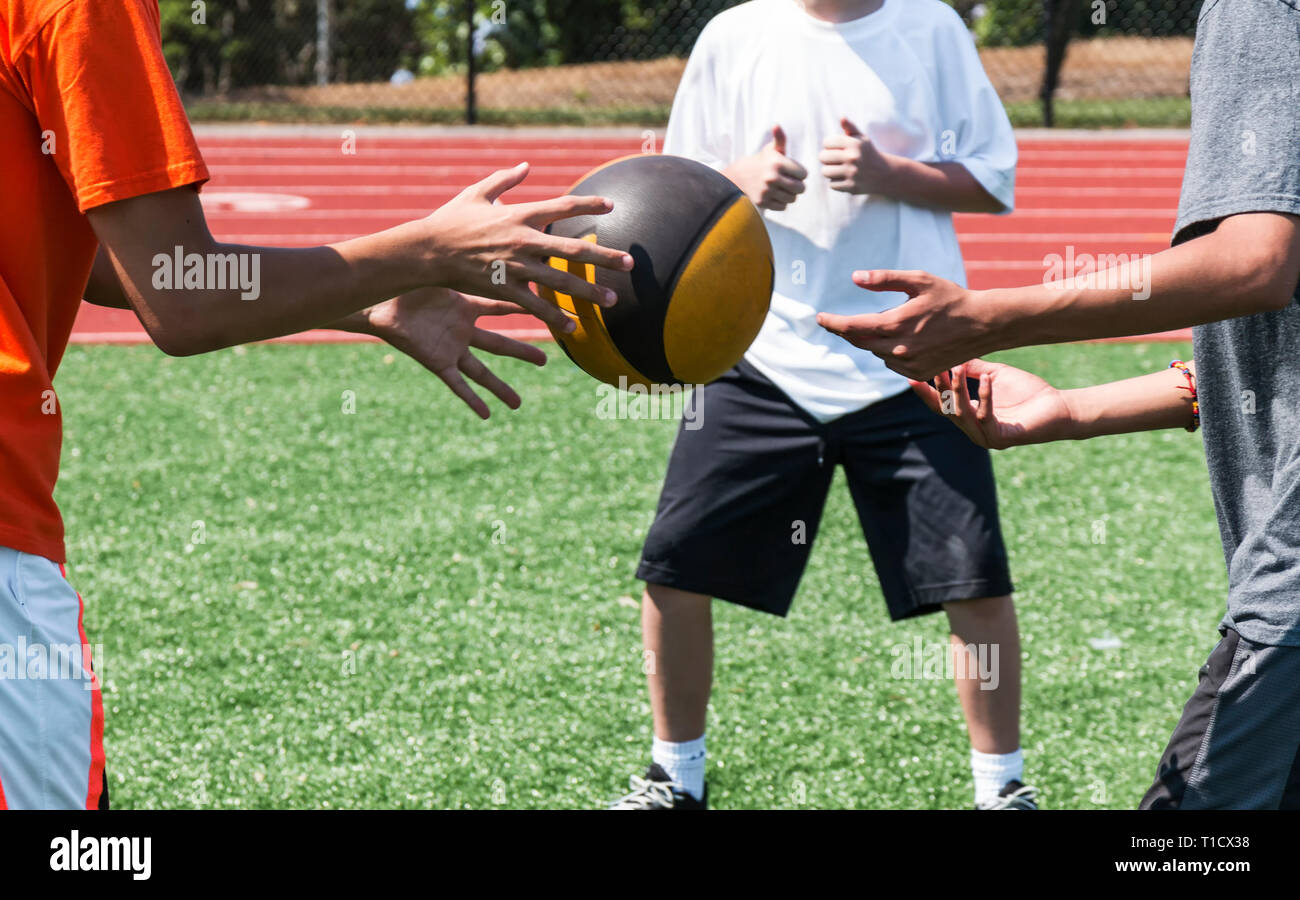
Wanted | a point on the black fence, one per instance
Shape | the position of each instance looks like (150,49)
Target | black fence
(1065,62)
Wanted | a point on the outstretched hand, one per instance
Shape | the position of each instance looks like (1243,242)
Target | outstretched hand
(940,325)
(437,327)
(487,247)
(1012,407)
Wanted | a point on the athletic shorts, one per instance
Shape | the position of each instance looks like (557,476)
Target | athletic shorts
(1237,745)
(51,710)
(748,479)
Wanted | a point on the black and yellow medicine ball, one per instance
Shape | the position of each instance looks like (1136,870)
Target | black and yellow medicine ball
(702,281)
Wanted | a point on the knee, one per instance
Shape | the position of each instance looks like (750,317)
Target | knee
(982,610)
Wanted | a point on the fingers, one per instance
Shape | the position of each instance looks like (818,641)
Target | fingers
(451,377)
(544,212)
(486,307)
(500,181)
(950,407)
(501,345)
(791,169)
(929,396)
(548,312)
(480,373)
(567,283)
(781,192)
(961,386)
(910,283)
(857,330)
(977,368)
(985,411)
(580,251)
(789,185)
(778,197)
(850,129)
(970,420)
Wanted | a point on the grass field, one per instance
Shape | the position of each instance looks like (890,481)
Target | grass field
(404,607)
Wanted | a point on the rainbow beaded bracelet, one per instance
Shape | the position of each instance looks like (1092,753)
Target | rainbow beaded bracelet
(1191,389)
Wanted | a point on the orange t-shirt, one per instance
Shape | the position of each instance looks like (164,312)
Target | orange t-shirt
(88,115)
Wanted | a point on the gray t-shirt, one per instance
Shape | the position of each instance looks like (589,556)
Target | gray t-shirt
(1245,157)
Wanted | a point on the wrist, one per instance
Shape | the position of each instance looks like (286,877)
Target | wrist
(358,322)
(425,245)
(1007,320)
(993,313)
(1079,416)
(892,176)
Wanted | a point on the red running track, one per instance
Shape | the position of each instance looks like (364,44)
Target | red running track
(1096,194)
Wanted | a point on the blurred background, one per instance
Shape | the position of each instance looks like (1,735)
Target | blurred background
(1065,63)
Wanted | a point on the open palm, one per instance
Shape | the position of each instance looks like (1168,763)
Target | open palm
(437,327)
(1013,407)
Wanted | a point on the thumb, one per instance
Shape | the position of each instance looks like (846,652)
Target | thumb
(849,128)
(500,181)
(778,139)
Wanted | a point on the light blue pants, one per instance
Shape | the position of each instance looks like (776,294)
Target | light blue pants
(51,710)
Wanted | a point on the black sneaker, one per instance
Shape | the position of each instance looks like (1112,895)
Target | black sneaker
(1013,795)
(657,791)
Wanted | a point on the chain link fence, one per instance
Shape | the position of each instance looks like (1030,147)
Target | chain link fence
(1089,63)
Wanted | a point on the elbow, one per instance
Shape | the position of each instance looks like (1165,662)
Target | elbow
(1269,280)
(1278,299)
(1263,261)
(1278,294)
(179,341)
(174,345)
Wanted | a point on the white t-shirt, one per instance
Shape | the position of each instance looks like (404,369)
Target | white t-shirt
(908,76)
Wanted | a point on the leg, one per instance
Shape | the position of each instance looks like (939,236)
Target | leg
(927,502)
(51,712)
(677,633)
(736,519)
(985,629)
(1238,741)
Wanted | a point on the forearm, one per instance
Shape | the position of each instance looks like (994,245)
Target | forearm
(945,185)
(1146,403)
(1234,271)
(277,291)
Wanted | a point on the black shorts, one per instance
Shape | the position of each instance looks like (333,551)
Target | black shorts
(745,490)
(1237,745)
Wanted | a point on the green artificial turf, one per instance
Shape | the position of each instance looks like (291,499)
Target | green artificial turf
(406,607)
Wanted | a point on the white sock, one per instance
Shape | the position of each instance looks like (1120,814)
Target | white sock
(992,771)
(684,763)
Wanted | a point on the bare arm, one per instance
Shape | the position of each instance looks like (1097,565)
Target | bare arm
(1014,407)
(855,165)
(1145,403)
(943,185)
(472,244)
(1249,264)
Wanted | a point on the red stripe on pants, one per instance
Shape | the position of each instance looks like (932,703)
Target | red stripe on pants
(95,783)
